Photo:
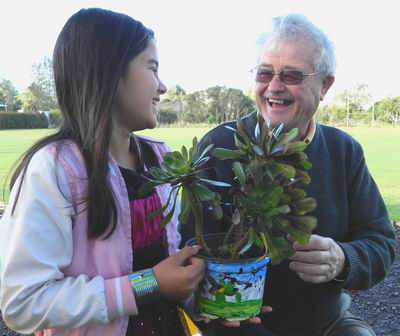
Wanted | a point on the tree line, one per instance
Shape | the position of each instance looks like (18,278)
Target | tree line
(213,105)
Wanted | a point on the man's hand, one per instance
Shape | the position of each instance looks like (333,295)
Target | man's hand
(179,275)
(321,260)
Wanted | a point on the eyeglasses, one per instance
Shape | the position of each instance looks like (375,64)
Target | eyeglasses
(288,77)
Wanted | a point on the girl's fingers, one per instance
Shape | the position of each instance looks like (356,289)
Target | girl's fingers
(230,324)
(254,320)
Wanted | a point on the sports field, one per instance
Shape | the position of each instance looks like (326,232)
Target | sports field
(381,147)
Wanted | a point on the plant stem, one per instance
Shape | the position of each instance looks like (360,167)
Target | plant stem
(198,220)
(238,245)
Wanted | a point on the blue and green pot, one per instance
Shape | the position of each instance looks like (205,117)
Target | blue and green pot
(231,289)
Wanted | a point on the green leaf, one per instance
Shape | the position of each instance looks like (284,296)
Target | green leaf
(147,188)
(279,249)
(285,169)
(230,128)
(217,211)
(239,173)
(277,130)
(246,247)
(203,154)
(225,154)
(193,150)
(306,165)
(157,212)
(258,150)
(239,144)
(305,223)
(216,183)
(297,194)
(203,193)
(304,205)
(305,178)
(158,173)
(285,138)
(168,217)
(300,236)
(185,153)
(295,147)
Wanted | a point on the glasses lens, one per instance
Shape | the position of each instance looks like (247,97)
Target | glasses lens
(264,76)
(292,77)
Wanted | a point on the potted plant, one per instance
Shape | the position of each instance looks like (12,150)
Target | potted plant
(268,204)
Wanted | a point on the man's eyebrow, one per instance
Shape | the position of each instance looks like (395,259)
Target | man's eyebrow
(286,67)
(264,65)
(153,61)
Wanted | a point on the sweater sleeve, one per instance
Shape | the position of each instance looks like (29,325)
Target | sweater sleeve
(370,249)
(35,245)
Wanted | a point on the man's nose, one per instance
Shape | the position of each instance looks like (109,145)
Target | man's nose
(276,85)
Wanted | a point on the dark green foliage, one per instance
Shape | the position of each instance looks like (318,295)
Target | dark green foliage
(22,120)
(270,172)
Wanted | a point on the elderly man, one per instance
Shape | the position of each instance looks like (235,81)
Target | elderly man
(353,245)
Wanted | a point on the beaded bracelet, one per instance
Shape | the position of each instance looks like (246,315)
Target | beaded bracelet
(144,286)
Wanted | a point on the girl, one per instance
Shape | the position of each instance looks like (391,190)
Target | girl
(79,255)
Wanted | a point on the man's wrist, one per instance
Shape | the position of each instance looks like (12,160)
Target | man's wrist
(144,286)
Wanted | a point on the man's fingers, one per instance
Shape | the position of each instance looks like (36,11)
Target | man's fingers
(310,269)
(311,257)
(313,278)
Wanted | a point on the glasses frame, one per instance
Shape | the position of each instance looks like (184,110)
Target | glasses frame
(280,75)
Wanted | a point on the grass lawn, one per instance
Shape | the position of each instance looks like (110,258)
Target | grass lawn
(381,147)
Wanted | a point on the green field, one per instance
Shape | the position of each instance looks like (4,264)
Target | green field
(381,147)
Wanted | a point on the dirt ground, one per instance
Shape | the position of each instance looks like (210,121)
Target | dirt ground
(379,306)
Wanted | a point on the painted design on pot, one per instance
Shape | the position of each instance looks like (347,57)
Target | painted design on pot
(232,290)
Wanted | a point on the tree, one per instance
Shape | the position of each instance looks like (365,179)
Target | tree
(44,85)
(227,103)
(195,107)
(31,98)
(177,95)
(355,101)
(9,95)
(388,110)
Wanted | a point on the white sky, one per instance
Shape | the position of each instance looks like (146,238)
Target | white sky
(210,42)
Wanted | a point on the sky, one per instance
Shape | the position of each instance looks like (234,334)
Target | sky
(213,42)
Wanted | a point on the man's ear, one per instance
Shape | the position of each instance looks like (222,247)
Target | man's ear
(326,84)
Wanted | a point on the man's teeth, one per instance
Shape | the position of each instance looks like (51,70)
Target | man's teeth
(276,101)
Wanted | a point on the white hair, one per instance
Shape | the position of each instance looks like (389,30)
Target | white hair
(293,27)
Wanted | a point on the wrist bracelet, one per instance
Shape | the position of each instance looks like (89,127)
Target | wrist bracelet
(144,286)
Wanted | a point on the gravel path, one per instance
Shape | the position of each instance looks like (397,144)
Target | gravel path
(380,305)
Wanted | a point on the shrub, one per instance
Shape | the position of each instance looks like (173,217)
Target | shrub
(167,117)
(55,118)
(22,121)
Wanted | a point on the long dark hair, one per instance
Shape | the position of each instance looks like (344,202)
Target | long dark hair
(91,54)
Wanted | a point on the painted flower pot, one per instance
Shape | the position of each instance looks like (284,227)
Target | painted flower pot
(231,289)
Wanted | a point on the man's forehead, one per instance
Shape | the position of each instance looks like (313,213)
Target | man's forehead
(291,53)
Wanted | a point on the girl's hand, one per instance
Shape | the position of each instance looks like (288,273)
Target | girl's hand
(179,275)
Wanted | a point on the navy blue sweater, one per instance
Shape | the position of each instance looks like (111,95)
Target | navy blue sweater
(350,210)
